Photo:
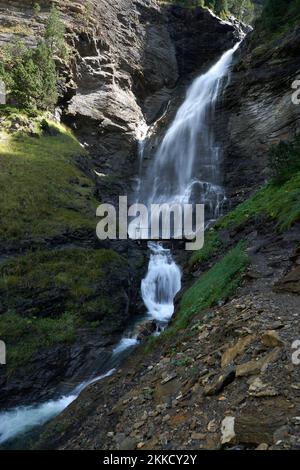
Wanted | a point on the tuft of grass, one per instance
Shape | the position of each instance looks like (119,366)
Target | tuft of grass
(216,284)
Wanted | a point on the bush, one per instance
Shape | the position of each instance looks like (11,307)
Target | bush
(284,160)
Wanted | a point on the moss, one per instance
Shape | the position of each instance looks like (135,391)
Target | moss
(18,29)
(58,281)
(46,296)
(44,194)
(216,284)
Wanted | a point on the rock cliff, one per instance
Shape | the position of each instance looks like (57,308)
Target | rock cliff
(257,109)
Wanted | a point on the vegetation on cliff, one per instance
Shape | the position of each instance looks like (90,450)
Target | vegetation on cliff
(47,295)
(244,10)
(31,74)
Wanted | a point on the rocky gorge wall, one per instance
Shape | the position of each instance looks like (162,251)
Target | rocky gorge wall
(127,59)
(257,109)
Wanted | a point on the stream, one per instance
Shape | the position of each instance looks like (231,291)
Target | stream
(187,149)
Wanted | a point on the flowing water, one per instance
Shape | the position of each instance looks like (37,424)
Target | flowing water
(161,284)
(189,148)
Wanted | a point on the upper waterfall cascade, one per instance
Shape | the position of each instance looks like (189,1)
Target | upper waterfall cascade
(186,166)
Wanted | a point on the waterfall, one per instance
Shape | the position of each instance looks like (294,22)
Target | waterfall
(188,148)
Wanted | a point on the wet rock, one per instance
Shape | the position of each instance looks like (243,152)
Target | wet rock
(146,329)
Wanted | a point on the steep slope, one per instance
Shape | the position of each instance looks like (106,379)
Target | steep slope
(225,374)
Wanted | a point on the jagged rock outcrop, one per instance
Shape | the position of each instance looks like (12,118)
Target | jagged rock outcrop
(257,109)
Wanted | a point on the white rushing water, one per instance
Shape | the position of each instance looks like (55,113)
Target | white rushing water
(189,148)
(24,418)
(124,344)
(161,284)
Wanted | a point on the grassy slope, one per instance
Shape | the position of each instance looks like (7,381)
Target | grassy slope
(43,194)
(46,295)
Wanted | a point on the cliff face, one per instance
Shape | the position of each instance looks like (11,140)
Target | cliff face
(225,379)
(257,109)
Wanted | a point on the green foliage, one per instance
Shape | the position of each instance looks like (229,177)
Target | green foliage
(216,284)
(211,245)
(277,13)
(25,336)
(281,203)
(284,160)
(36,9)
(242,9)
(30,74)
(44,194)
(55,34)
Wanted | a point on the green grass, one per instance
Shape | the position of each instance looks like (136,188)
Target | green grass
(25,336)
(211,246)
(43,193)
(278,202)
(270,29)
(216,284)
(45,296)
(59,281)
